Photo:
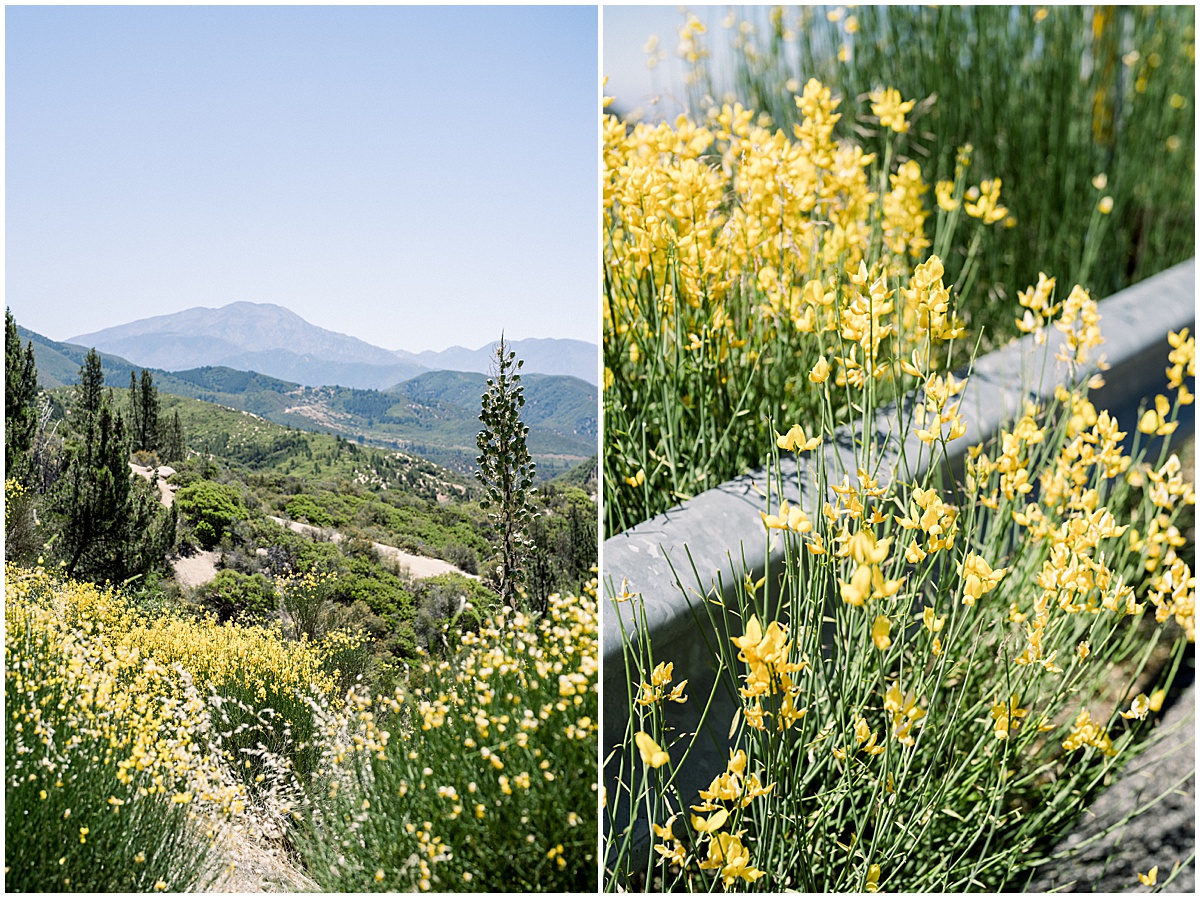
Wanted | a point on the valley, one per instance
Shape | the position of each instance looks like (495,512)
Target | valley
(433,415)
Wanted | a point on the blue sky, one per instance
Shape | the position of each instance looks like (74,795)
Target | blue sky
(657,92)
(418,177)
(640,92)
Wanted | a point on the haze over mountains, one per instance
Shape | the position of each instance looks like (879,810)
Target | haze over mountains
(434,415)
(275,341)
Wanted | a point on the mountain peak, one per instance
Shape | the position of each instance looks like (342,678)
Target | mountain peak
(272,339)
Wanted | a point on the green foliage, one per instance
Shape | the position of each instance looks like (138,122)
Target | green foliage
(20,394)
(506,470)
(93,502)
(107,523)
(211,508)
(1049,100)
(144,413)
(565,546)
(304,508)
(245,598)
(448,606)
(172,444)
(21,542)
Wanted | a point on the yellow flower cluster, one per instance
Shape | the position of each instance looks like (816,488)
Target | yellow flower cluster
(716,849)
(256,659)
(773,208)
(935,519)
(517,704)
(76,682)
(655,691)
(1085,732)
(766,655)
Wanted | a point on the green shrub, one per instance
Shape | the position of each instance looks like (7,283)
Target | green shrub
(303,508)
(240,597)
(211,508)
(481,779)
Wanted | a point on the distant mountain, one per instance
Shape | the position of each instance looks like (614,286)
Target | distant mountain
(190,338)
(573,358)
(277,342)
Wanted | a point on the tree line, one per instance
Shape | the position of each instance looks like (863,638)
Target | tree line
(69,490)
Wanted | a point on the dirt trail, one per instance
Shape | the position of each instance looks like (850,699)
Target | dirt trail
(195,570)
(201,568)
(419,566)
(166,491)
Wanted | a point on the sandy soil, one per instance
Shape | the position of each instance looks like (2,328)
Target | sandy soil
(166,491)
(195,570)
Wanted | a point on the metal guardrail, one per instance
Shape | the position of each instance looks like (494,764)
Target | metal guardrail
(705,540)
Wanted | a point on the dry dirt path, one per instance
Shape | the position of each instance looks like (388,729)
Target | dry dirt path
(419,566)
(201,568)
(166,491)
(195,570)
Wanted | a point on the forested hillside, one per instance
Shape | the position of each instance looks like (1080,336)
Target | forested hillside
(434,416)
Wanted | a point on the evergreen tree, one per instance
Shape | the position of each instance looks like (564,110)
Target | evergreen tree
(172,447)
(506,469)
(135,413)
(89,390)
(20,396)
(109,526)
(148,438)
(144,434)
(93,497)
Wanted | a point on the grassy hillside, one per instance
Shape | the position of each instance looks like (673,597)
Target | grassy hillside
(435,416)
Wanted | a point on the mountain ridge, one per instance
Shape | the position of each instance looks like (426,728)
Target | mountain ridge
(434,415)
(275,341)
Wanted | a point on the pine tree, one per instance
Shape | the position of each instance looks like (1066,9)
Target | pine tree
(20,398)
(89,390)
(93,496)
(506,469)
(135,413)
(148,416)
(109,527)
(172,447)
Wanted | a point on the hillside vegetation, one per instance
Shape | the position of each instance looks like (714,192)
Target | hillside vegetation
(312,678)
(434,416)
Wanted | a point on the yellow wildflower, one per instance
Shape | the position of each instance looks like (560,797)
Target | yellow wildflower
(890,109)
(652,754)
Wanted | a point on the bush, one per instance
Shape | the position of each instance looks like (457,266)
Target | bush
(462,557)
(146,459)
(303,508)
(1062,133)
(941,674)
(21,540)
(211,508)
(137,822)
(239,597)
(483,779)
(447,606)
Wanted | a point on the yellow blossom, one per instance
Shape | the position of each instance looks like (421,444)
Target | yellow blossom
(652,754)
(890,109)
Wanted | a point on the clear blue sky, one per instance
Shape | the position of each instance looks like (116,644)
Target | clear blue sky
(418,177)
